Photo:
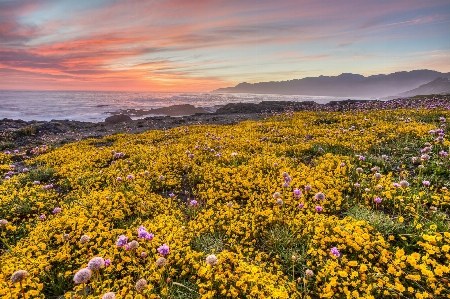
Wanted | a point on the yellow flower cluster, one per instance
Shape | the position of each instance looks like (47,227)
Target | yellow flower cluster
(303,205)
(4,162)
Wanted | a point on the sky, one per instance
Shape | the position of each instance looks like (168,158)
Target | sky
(201,45)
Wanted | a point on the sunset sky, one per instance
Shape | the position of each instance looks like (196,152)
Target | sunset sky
(200,45)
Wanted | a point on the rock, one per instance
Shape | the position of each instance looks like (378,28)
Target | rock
(264,106)
(50,127)
(179,110)
(174,110)
(118,119)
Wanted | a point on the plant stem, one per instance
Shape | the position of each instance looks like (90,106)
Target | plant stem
(293,278)
(23,291)
(100,277)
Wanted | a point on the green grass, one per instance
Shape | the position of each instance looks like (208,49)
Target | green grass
(41,174)
(26,131)
(212,242)
(381,222)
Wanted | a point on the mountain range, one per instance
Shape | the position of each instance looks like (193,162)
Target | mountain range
(352,85)
(437,86)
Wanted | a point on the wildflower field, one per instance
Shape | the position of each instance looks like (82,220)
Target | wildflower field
(298,205)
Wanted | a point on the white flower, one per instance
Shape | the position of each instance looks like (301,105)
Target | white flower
(211,260)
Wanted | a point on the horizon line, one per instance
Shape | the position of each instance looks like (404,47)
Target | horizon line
(148,91)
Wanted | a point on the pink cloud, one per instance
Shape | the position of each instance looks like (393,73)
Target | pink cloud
(148,44)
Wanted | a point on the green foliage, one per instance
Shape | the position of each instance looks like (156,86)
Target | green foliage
(210,242)
(41,174)
(184,290)
(26,131)
(380,221)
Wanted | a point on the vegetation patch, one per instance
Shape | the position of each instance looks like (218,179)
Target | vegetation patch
(298,205)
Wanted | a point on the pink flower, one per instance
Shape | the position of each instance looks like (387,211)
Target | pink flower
(319,196)
(404,184)
(143,234)
(335,252)
(425,157)
(164,249)
(96,263)
(122,241)
(319,209)
(133,245)
(82,276)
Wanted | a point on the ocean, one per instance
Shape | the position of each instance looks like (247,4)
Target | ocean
(93,106)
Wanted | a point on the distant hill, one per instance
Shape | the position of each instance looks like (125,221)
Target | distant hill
(344,85)
(437,86)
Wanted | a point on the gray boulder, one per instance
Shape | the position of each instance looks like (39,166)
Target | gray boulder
(120,118)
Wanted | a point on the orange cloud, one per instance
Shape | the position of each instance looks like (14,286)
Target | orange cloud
(186,45)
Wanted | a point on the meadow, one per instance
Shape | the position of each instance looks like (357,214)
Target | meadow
(299,205)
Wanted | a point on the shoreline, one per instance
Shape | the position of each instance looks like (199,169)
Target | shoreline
(25,135)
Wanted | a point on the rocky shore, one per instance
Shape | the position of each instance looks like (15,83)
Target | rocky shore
(24,135)
(174,110)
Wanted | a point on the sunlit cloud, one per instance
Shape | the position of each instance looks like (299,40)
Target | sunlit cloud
(202,45)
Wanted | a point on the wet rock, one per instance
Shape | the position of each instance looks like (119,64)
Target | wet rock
(51,127)
(174,110)
(120,118)
(264,107)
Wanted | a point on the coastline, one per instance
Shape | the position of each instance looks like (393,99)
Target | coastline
(25,135)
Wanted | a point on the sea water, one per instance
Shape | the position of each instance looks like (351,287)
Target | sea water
(93,106)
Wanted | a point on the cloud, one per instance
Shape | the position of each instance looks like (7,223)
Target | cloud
(12,32)
(171,44)
(373,22)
